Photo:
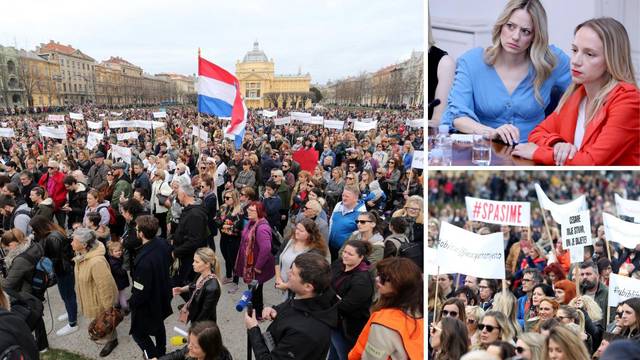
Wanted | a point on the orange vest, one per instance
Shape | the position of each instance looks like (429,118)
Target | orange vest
(411,331)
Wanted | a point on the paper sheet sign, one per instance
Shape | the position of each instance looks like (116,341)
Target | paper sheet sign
(498,212)
(121,152)
(93,139)
(622,232)
(418,160)
(269,114)
(76,116)
(133,135)
(622,288)
(334,124)
(364,126)
(7,132)
(628,210)
(576,230)
(159,115)
(94,125)
(55,117)
(461,251)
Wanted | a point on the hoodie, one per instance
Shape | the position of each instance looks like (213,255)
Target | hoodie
(301,330)
(45,208)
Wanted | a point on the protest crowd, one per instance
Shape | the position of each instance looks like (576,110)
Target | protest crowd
(559,282)
(123,208)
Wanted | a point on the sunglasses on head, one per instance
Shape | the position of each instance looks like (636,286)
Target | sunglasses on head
(450,313)
(362,221)
(489,328)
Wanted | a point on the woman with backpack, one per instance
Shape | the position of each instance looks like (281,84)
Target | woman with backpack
(57,247)
(21,257)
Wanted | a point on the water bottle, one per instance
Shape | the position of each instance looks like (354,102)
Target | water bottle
(445,144)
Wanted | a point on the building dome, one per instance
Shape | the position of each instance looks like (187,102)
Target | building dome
(255,55)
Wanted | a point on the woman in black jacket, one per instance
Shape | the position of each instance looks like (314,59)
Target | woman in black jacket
(354,285)
(204,293)
(57,247)
(205,342)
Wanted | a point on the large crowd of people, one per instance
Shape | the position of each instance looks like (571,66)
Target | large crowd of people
(548,307)
(334,218)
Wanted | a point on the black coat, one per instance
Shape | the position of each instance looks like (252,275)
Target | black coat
(355,288)
(14,331)
(78,205)
(301,330)
(205,300)
(57,247)
(191,233)
(150,301)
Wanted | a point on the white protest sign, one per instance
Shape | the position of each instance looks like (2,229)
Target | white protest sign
(576,230)
(628,210)
(334,124)
(417,123)
(53,132)
(102,115)
(314,120)
(116,113)
(93,139)
(294,115)
(76,116)
(200,133)
(282,121)
(622,288)
(498,212)
(94,125)
(367,120)
(418,160)
(117,124)
(364,126)
(622,232)
(464,252)
(7,132)
(155,125)
(133,135)
(159,115)
(121,152)
(269,114)
(576,254)
(558,211)
(431,256)
(55,117)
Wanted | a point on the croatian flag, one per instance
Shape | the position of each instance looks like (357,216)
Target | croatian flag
(219,95)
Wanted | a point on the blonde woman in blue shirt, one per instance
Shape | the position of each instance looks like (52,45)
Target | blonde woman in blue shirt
(502,91)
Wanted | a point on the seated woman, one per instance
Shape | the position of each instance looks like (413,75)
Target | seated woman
(441,72)
(502,91)
(597,121)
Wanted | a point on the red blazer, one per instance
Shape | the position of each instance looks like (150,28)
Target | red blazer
(59,195)
(612,137)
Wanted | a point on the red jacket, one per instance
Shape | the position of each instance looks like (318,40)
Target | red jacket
(59,195)
(612,137)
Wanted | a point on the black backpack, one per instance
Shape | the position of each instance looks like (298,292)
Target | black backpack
(16,342)
(276,241)
(44,275)
(26,306)
(413,251)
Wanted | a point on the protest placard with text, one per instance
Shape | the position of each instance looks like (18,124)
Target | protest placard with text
(622,288)
(576,230)
(628,210)
(512,213)
(622,232)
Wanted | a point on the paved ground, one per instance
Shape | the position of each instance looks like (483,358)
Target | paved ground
(231,323)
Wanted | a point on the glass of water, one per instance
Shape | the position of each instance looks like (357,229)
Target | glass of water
(481,151)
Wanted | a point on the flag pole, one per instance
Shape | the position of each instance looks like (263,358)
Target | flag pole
(435,299)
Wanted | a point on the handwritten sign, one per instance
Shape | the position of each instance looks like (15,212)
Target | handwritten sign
(576,230)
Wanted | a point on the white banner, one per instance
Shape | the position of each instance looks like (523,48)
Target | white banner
(430,256)
(622,232)
(159,115)
(628,210)
(294,115)
(364,126)
(417,123)
(367,120)
(418,160)
(558,211)
(622,288)
(7,132)
(498,212)
(334,124)
(53,132)
(94,125)
(282,121)
(576,230)
(121,152)
(55,117)
(102,115)
(314,120)
(93,139)
(200,133)
(116,113)
(76,116)
(133,135)
(144,124)
(464,252)
(269,114)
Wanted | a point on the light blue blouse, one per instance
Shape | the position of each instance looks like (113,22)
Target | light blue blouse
(478,92)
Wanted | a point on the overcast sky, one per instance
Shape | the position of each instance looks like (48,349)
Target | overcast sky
(330,39)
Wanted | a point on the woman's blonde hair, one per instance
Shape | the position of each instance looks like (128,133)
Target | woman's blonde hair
(572,346)
(590,306)
(617,56)
(235,197)
(541,56)
(209,256)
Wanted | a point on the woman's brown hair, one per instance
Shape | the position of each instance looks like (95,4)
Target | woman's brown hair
(316,241)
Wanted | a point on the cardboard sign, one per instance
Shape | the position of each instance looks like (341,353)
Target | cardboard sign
(622,288)
(622,232)
(628,210)
(498,212)
(576,230)
(464,252)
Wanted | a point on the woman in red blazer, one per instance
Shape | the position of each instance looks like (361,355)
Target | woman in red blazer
(597,121)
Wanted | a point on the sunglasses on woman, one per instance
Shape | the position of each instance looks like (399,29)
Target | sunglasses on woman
(489,328)
(453,314)
(519,350)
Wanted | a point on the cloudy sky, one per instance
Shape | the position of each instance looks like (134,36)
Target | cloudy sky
(330,39)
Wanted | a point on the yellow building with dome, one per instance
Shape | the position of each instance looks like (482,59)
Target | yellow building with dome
(261,88)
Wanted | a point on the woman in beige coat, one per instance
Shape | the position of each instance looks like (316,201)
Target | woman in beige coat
(95,287)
